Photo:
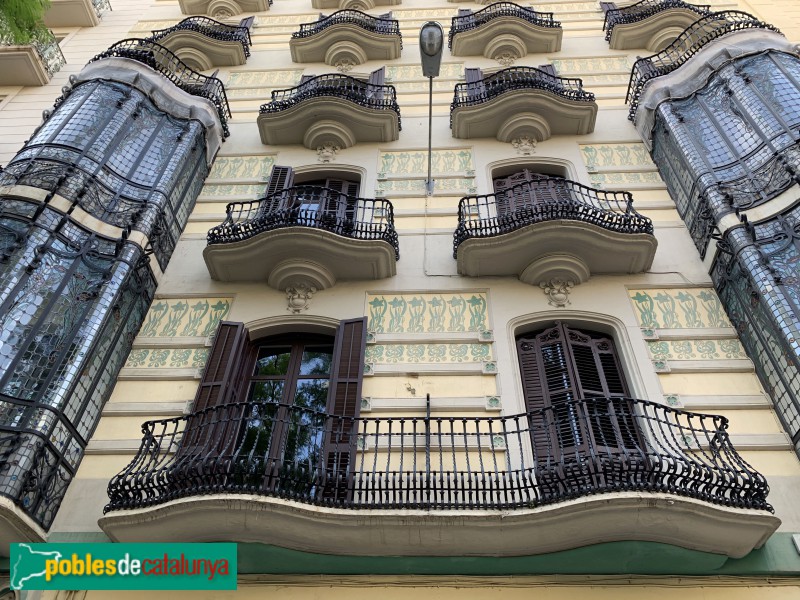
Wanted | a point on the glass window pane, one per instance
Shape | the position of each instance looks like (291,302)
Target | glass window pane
(266,392)
(312,394)
(316,360)
(273,361)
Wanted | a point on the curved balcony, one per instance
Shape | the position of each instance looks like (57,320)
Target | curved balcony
(352,4)
(651,24)
(223,9)
(35,63)
(347,36)
(552,228)
(310,234)
(164,61)
(331,108)
(522,101)
(693,39)
(504,28)
(582,472)
(203,43)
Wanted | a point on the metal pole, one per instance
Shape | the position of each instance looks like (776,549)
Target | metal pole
(428,440)
(429,183)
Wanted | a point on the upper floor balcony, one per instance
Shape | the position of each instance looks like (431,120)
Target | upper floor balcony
(521,101)
(203,43)
(503,29)
(347,36)
(580,472)
(331,108)
(694,38)
(312,234)
(549,227)
(651,24)
(223,9)
(353,4)
(32,63)
(75,13)
(164,61)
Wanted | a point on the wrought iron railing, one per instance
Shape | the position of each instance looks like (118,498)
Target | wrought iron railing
(309,206)
(517,78)
(368,95)
(46,46)
(644,10)
(352,17)
(571,450)
(161,59)
(209,28)
(703,31)
(499,9)
(546,199)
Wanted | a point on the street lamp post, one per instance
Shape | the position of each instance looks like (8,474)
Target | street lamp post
(431,43)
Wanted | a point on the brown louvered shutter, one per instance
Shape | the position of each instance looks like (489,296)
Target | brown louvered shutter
(549,69)
(247,22)
(304,78)
(280,178)
(375,83)
(475,87)
(344,406)
(607,6)
(214,432)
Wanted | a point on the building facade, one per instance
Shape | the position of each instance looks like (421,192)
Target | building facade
(235,308)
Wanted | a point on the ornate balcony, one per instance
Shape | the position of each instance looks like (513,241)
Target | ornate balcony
(522,101)
(552,228)
(331,108)
(650,24)
(347,36)
(32,64)
(504,28)
(311,234)
(581,472)
(223,9)
(203,43)
(161,59)
(693,39)
(353,4)
(75,13)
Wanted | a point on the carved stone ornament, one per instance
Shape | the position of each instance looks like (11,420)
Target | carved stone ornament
(222,13)
(298,297)
(557,290)
(327,152)
(345,65)
(525,146)
(506,58)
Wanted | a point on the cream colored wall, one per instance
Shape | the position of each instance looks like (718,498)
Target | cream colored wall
(161,377)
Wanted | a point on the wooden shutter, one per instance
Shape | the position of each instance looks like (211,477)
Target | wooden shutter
(214,433)
(549,69)
(607,6)
(280,178)
(475,87)
(344,406)
(375,83)
(464,12)
(247,22)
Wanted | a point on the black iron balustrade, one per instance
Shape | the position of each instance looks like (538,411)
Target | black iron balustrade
(160,59)
(209,28)
(517,78)
(45,44)
(499,9)
(309,206)
(100,6)
(703,31)
(582,447)
(546,199)
(368,95)
(366,22)
(644,10)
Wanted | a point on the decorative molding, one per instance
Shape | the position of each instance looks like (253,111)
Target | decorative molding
(327,152)
(494,403)
(298,297)
(557,290)
(525,145)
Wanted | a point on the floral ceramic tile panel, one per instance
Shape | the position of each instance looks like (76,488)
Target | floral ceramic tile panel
(427,313)
(678,308)
(405,162)
(185,317)
(428,353)
(696,350)
(167,358)
(242,167)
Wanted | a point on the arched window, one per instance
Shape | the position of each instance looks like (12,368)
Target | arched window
(526,188)
(576,395)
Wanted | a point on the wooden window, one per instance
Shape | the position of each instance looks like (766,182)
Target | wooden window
(584,430)
(526,189)
(298,434)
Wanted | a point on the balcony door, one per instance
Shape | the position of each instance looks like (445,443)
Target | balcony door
(584,432)
(527,190)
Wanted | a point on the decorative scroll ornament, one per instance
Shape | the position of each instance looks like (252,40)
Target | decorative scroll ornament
(298,297)
(327,152)
(506,58)
(345,65)
(557,290)
(525,146)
